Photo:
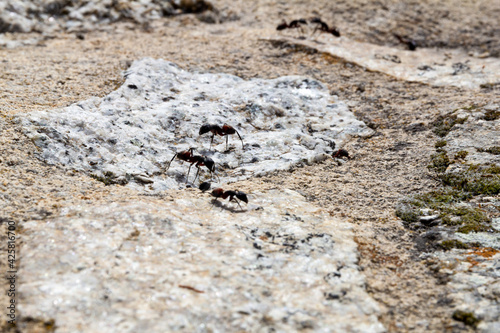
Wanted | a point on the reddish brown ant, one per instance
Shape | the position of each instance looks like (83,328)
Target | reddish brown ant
(225,130)
(295,24)
(203,161)
(232,195)
(341,153)
(323,27)
(197,160)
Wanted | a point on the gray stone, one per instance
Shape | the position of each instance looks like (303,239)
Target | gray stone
(193,266)
(160,109)
(456,67)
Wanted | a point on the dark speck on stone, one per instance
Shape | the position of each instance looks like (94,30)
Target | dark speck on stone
(132,86)
(331,296)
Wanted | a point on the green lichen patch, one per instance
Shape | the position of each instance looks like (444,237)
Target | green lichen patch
(454,244)
(492,170)
(440,144)
(471,107)
(491,115)
(407,215)
(437,199)
(473,227)
(444,124)
(451,201)
(474,183)
(468,318)
(108,179)
(461,155)
(495,150)
(468,219)
(439,162)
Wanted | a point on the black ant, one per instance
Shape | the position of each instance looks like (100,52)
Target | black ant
(197,160)
(411,44)
(232,195)
(225,130)
(295,24)
(323,27)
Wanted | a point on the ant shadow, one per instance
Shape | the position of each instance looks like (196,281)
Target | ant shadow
(222,206)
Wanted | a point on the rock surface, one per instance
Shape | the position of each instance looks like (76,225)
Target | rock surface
(189,265)
(431,66)
(406,271)
(160,108)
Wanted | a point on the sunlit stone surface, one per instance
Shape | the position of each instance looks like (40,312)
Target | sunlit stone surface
(186,265)
(475,279)
(438,67)
(136,130)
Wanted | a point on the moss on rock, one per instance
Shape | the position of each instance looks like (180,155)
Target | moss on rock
(468,318)
(444,124)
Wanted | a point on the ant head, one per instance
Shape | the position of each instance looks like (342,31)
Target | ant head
(335,32)
(217,192)
(205,129)
(242,196)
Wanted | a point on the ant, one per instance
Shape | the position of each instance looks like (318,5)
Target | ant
(232,195)
(341,153)
(411,44)
(323,27)
(197,160)
(295,24)
(225,130)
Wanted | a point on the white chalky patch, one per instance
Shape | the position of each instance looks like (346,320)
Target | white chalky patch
(437,67)
(137,129)
(283,265)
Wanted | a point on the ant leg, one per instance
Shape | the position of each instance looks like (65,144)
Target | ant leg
(212,141)
(236,200)
(170,162)
(239,136)
(189,169)
(196,174)
(312,34)
(213,203)
(212,174)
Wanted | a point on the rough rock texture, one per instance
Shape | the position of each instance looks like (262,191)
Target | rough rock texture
(77,15)
(189,265)
(135,132)
(436,67)
(413,292)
